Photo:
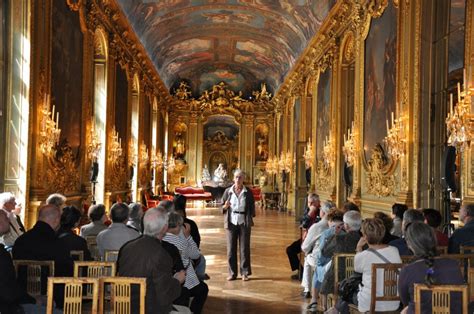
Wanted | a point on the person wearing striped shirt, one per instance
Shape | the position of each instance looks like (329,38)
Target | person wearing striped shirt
(179,234)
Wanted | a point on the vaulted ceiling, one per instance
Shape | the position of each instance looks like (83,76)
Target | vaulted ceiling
(241,42)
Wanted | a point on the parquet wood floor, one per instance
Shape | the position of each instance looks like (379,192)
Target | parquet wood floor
(270,289)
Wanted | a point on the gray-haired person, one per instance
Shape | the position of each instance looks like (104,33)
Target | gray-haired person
(239,210)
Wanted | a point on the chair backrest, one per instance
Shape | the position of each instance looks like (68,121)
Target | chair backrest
(390,286)
(77,255)
(73,293)
(466,249)
(465,261)
(345,260)
(36,272)
(470,281)
(93,269)
(121,293)
(92,246)
(111,256)
(441,297)
(442,249)
(406,259)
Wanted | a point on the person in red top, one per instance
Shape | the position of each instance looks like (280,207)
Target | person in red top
(433,219)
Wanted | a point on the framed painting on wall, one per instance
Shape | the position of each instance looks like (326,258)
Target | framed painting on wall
(380,78)
(323,110)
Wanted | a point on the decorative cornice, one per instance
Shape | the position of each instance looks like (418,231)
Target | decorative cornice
(125,46)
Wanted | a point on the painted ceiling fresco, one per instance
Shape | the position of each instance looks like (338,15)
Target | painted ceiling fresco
(240,42)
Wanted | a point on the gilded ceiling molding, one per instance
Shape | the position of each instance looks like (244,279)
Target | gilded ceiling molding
(125,47)
(221,100)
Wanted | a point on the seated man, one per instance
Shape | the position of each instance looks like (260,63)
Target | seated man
(409,216)
(309,217)
(145,257)
(117,234)
(433,219)
(11,294)
(41,244)
(7,205)
(98,217)
(464,235)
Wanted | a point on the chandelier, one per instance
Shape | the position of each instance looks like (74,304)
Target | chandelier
(94,146)
(458,122)
(349,148)
(49,129)
(328,152)
(115,151)
(143,154)
(395,139)
(158,163)
(308,154)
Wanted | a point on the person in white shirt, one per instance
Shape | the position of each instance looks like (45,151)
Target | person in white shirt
(373,231)
(7,204)
(239,209)
(310,246)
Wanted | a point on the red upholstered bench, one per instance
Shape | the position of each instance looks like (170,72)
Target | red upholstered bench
(194,193)
(257,193)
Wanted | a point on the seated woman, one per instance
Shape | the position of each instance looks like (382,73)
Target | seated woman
(179,234)
(426,268)
(70,220)
(373,232)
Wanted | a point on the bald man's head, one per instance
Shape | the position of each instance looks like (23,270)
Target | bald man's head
(50,214)
(4,223)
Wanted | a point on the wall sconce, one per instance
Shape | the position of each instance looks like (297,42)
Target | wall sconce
(94,146)
(271,165)
(143,154)
(49,130)
(328,152)
(458,121)
(308,154)
(395,139)
(159,164)
(115,151)
(285,164)
(132,153)
(349,149)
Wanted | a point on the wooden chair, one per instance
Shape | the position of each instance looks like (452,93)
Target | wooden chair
(77,255)
(121,294)
(111,256)
(73,293)
(470,282)
(92,246)
(442,249)
(35,277)
(465,261)
(345,260)
(466,249)
(406,259)
(93,269)
(390,283)
(441,297)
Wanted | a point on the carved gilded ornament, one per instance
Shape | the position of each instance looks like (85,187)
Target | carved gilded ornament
(74,5)
(324,178)
(221,100)
(349,49)
(379,181)
(118,178)
(376,7)
(61,175)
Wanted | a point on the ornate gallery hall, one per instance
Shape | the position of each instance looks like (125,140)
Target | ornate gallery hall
(240,106)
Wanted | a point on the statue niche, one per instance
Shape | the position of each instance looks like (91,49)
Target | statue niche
(179,141)
(221,144)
